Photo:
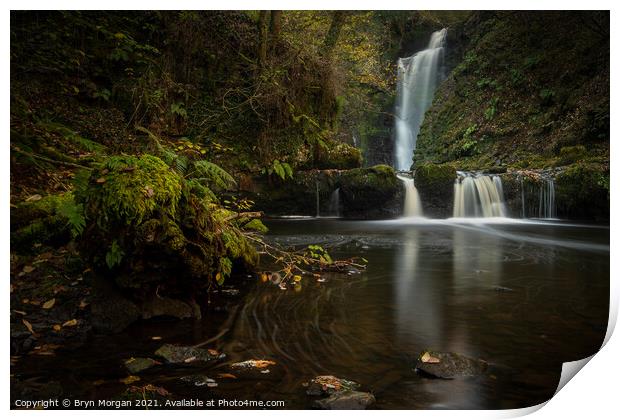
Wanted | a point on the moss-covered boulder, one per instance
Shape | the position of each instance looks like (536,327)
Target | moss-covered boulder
(41,220)
(370,193)
(341,156)
(582,192)
(149,230)
(435,184)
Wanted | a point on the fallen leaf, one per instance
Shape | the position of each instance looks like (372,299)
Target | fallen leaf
(101,181)
(427,358)
(29,327)
(130,379)
(213,352)
(156,338)
(83,304)
(57,327)
(190,359)
(296,278)
(28,269)
(49,304)
(70,323)
(19,312)
(226,375)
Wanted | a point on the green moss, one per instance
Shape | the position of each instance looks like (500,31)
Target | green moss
(571,154)
(433,175)
(128,189)
(582,191)
(340,156)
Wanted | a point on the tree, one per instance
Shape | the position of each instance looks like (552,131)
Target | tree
(263,27)
(338,19)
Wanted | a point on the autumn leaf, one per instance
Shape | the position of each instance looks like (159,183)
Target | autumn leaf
(35,197)
(101,181)
(22,313)
(226,376)
(49,304)
(296,278)
(29,327)
(70,323)
(57,327)
(130,379)
(427,358)
(156,338)
(28,269)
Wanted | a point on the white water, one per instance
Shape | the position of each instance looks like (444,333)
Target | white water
(546,203)
(334,203)
(478,196)
(413,204)
(418,77)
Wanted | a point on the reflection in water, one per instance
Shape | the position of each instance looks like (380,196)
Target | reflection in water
(523,296)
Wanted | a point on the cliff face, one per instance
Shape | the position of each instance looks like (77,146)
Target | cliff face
(525,88)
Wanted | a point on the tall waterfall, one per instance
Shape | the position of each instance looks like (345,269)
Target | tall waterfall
(477,195)
(418,77)
(413,205)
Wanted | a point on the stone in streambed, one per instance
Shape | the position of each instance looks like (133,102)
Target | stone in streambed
(200,380)
(181,354)
(139,364)
(328,385)
(346,400)
(449,365)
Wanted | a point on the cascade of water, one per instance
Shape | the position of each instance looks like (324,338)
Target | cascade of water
(417,79)
(334,203)
(546,202)
(478,195)
(522,197)
(318,212)
(413,204)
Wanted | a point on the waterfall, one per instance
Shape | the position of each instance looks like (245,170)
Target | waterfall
(417,79)
(334,203)
(477,195)
(522,197)
(318,211)
(413,205)
(546,202)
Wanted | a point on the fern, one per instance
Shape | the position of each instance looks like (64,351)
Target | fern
(213,173)
(114,256)
(74,213)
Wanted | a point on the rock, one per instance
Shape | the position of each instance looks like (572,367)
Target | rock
(449,365)
(139,364)
(165,306)
(328,385)
(435,184)
(181,354)
(256,369)
(111,311)
(346,400)
(200,380)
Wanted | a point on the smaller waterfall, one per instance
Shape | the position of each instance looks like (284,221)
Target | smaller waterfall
(413,204)
(546,202)
(318,211)
(334,203)
(477,195)
(522,197)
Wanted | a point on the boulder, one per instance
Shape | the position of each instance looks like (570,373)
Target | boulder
(449,365)
(328,385)
(346,400)
(182,354)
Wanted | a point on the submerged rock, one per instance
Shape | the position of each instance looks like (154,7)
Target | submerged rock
(200,380)
(449,365)
(181,354)
(329,385)
(139,364)
(346,400)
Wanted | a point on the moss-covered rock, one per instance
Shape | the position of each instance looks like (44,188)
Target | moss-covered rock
(146,229)
(582,192)
(341,156)
(369,193)
(435,184)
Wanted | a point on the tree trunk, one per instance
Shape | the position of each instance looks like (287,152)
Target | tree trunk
(276,25)
(333,34)
(263,26)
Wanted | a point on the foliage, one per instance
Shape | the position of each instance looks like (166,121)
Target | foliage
(282,169)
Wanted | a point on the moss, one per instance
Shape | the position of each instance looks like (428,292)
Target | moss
(571,154)
(370,192)
(582,191)
(435,184)
(339,156)
(129,189)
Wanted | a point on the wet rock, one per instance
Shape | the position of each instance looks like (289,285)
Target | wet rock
(346,400)
(256,369)
(111,311)
(139,364)
(502,289)
(449,365)
(328,385)
(181,354)
(165,306)
(200,380)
